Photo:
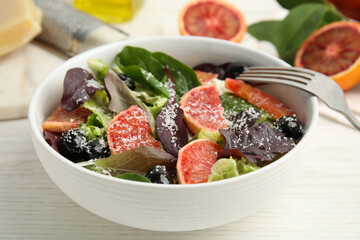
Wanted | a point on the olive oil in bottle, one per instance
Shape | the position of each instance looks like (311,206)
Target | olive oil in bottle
(111,11)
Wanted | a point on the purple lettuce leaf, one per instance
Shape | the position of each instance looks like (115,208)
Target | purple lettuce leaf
(53,139)
(258,143)
(170,125)
(79,86)
(138,159)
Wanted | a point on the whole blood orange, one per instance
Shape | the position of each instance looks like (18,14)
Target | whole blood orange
(195,161)
(212,18)
(202,109)
(333,50)
(129,129)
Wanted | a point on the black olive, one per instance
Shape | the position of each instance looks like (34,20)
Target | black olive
(290,126)
(97,148)
(234,69)
(76,147)
(158,174)
(73,145)
(130,83)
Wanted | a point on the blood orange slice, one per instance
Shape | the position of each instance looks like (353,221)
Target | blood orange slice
(212,18)
(195,161)
(62,121)
(205,77)
(202,109)
(258,98)
(130,129)
(333,50)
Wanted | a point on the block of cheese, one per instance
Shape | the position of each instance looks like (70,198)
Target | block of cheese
(20,22)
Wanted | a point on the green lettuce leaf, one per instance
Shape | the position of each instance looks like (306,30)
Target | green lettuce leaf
(134,177)
(228,167)
(94,127)
(98,104)
(154,102)
(99,68)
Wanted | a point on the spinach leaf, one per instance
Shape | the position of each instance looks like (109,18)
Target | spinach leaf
(140,57)
(296,27)
(146,78)
(265,30)
(233,104)
(289,4)
(182,75)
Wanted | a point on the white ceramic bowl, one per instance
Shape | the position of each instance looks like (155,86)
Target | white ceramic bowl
(171,207)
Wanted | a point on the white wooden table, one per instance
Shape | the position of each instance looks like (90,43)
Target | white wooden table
(323,202)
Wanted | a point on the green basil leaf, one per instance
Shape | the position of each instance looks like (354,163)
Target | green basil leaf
(182,75)
(296,27)
(134,177)
(289,4)
(140,57)
(146,78)
(265,30)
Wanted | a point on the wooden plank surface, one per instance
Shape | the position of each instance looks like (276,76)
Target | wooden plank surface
(323,202)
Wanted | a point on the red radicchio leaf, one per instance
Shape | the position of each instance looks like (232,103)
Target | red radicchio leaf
(257,143)
(79,86)
(170,125)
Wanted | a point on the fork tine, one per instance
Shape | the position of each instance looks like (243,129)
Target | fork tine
(277,75)
(307,72)
(272,80)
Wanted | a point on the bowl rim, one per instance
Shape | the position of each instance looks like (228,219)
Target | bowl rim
(37,133)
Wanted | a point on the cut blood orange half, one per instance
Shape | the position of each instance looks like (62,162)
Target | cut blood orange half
(195,161)
(333,50)
(212,18)
(130,129)
(202,109)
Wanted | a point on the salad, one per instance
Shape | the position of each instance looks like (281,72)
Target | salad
(149,117)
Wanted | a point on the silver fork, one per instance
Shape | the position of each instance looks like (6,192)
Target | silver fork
(313,82)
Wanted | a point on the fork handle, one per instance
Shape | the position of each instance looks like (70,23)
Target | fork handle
(350,116)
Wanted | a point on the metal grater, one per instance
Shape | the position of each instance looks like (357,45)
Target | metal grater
(67,28)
